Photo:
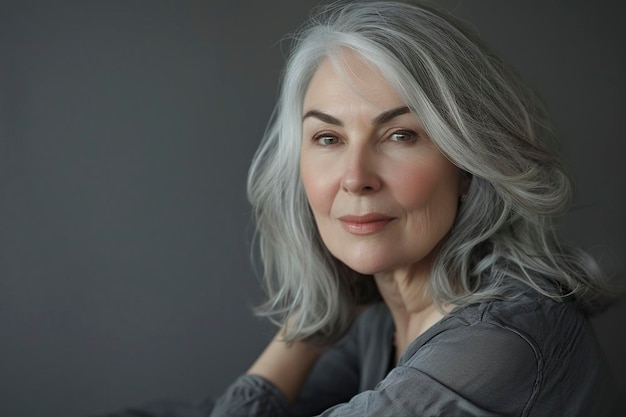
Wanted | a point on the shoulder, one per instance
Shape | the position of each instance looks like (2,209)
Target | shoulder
(532,319)
(497,353)
(529,322)
(548,326)
(500,354)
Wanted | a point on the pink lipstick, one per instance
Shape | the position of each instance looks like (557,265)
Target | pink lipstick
(365,225)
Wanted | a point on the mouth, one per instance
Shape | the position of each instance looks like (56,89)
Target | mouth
(366,224)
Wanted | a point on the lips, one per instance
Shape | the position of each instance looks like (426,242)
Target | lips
(366,224)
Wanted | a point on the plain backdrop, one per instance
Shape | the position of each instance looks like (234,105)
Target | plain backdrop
(126,131)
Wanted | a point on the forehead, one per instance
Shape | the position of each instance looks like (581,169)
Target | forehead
(349,77)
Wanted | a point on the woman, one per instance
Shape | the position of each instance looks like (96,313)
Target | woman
(423,167)
(406,196)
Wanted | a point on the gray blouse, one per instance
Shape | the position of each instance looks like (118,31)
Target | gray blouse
(528,357)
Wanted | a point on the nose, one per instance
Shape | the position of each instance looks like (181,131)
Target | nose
(361,174)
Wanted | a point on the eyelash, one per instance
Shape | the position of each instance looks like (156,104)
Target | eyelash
(412,137)
(317,139)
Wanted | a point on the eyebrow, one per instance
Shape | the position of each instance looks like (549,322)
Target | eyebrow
(382,118)
(327,118)
(389,115)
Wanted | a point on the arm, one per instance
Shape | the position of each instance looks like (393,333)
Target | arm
(286,367)
(271,384)
(333,379)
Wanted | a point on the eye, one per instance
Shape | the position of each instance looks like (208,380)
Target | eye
(403,136)
(324,139)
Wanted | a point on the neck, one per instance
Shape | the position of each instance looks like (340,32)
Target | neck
(411,305)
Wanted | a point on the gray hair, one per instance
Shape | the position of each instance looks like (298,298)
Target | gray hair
(479,115)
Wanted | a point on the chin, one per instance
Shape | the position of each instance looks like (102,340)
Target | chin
(366,266)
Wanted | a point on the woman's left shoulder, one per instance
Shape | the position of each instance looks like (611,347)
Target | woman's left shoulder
(539,319)
(530,352)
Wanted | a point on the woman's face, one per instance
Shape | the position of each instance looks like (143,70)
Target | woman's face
(382,194)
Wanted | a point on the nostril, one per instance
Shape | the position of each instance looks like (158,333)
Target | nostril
(355,189)
(360,177)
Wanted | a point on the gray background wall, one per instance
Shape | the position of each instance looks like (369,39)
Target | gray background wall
(126,130)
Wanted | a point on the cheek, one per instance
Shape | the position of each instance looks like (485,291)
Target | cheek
(318,187)
(428,193)
(414,185)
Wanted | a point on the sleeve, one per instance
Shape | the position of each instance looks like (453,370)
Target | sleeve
(408,392)
(251,396)
(475,370)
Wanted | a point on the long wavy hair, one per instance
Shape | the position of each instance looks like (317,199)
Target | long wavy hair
(479,115)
